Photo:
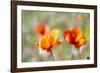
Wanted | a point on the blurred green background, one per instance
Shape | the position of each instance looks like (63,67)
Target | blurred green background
(60,20)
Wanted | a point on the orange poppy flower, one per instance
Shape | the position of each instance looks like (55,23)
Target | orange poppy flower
(49,41)
(41,29)
(75,36)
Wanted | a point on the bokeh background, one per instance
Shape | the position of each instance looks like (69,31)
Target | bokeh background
(59,20)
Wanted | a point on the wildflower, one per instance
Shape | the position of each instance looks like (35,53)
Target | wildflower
(41,29)
(49,41)
(75,37)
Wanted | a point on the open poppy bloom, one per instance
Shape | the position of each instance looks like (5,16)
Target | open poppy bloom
(41,29)
(47,42)
(75,37)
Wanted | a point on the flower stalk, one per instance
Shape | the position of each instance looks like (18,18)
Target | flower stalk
(52,55)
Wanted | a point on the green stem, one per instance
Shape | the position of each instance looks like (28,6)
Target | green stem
(72,55)
(79,54)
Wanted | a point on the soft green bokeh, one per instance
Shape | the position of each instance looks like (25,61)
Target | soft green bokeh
(59,20)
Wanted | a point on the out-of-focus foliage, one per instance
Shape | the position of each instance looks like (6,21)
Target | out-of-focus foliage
(55,20)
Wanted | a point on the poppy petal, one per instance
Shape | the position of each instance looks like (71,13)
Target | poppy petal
(54,33)
(40,28)
(80,42)
(68,36)
(77,31)
(51,41)
(57,43)
(43,43)
(53,36)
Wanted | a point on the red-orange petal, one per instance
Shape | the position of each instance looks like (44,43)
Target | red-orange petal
(65,32)
(57,43)
(68,36)
(40,28)
(77,31)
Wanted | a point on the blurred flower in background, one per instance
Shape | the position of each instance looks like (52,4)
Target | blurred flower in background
(41,29)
